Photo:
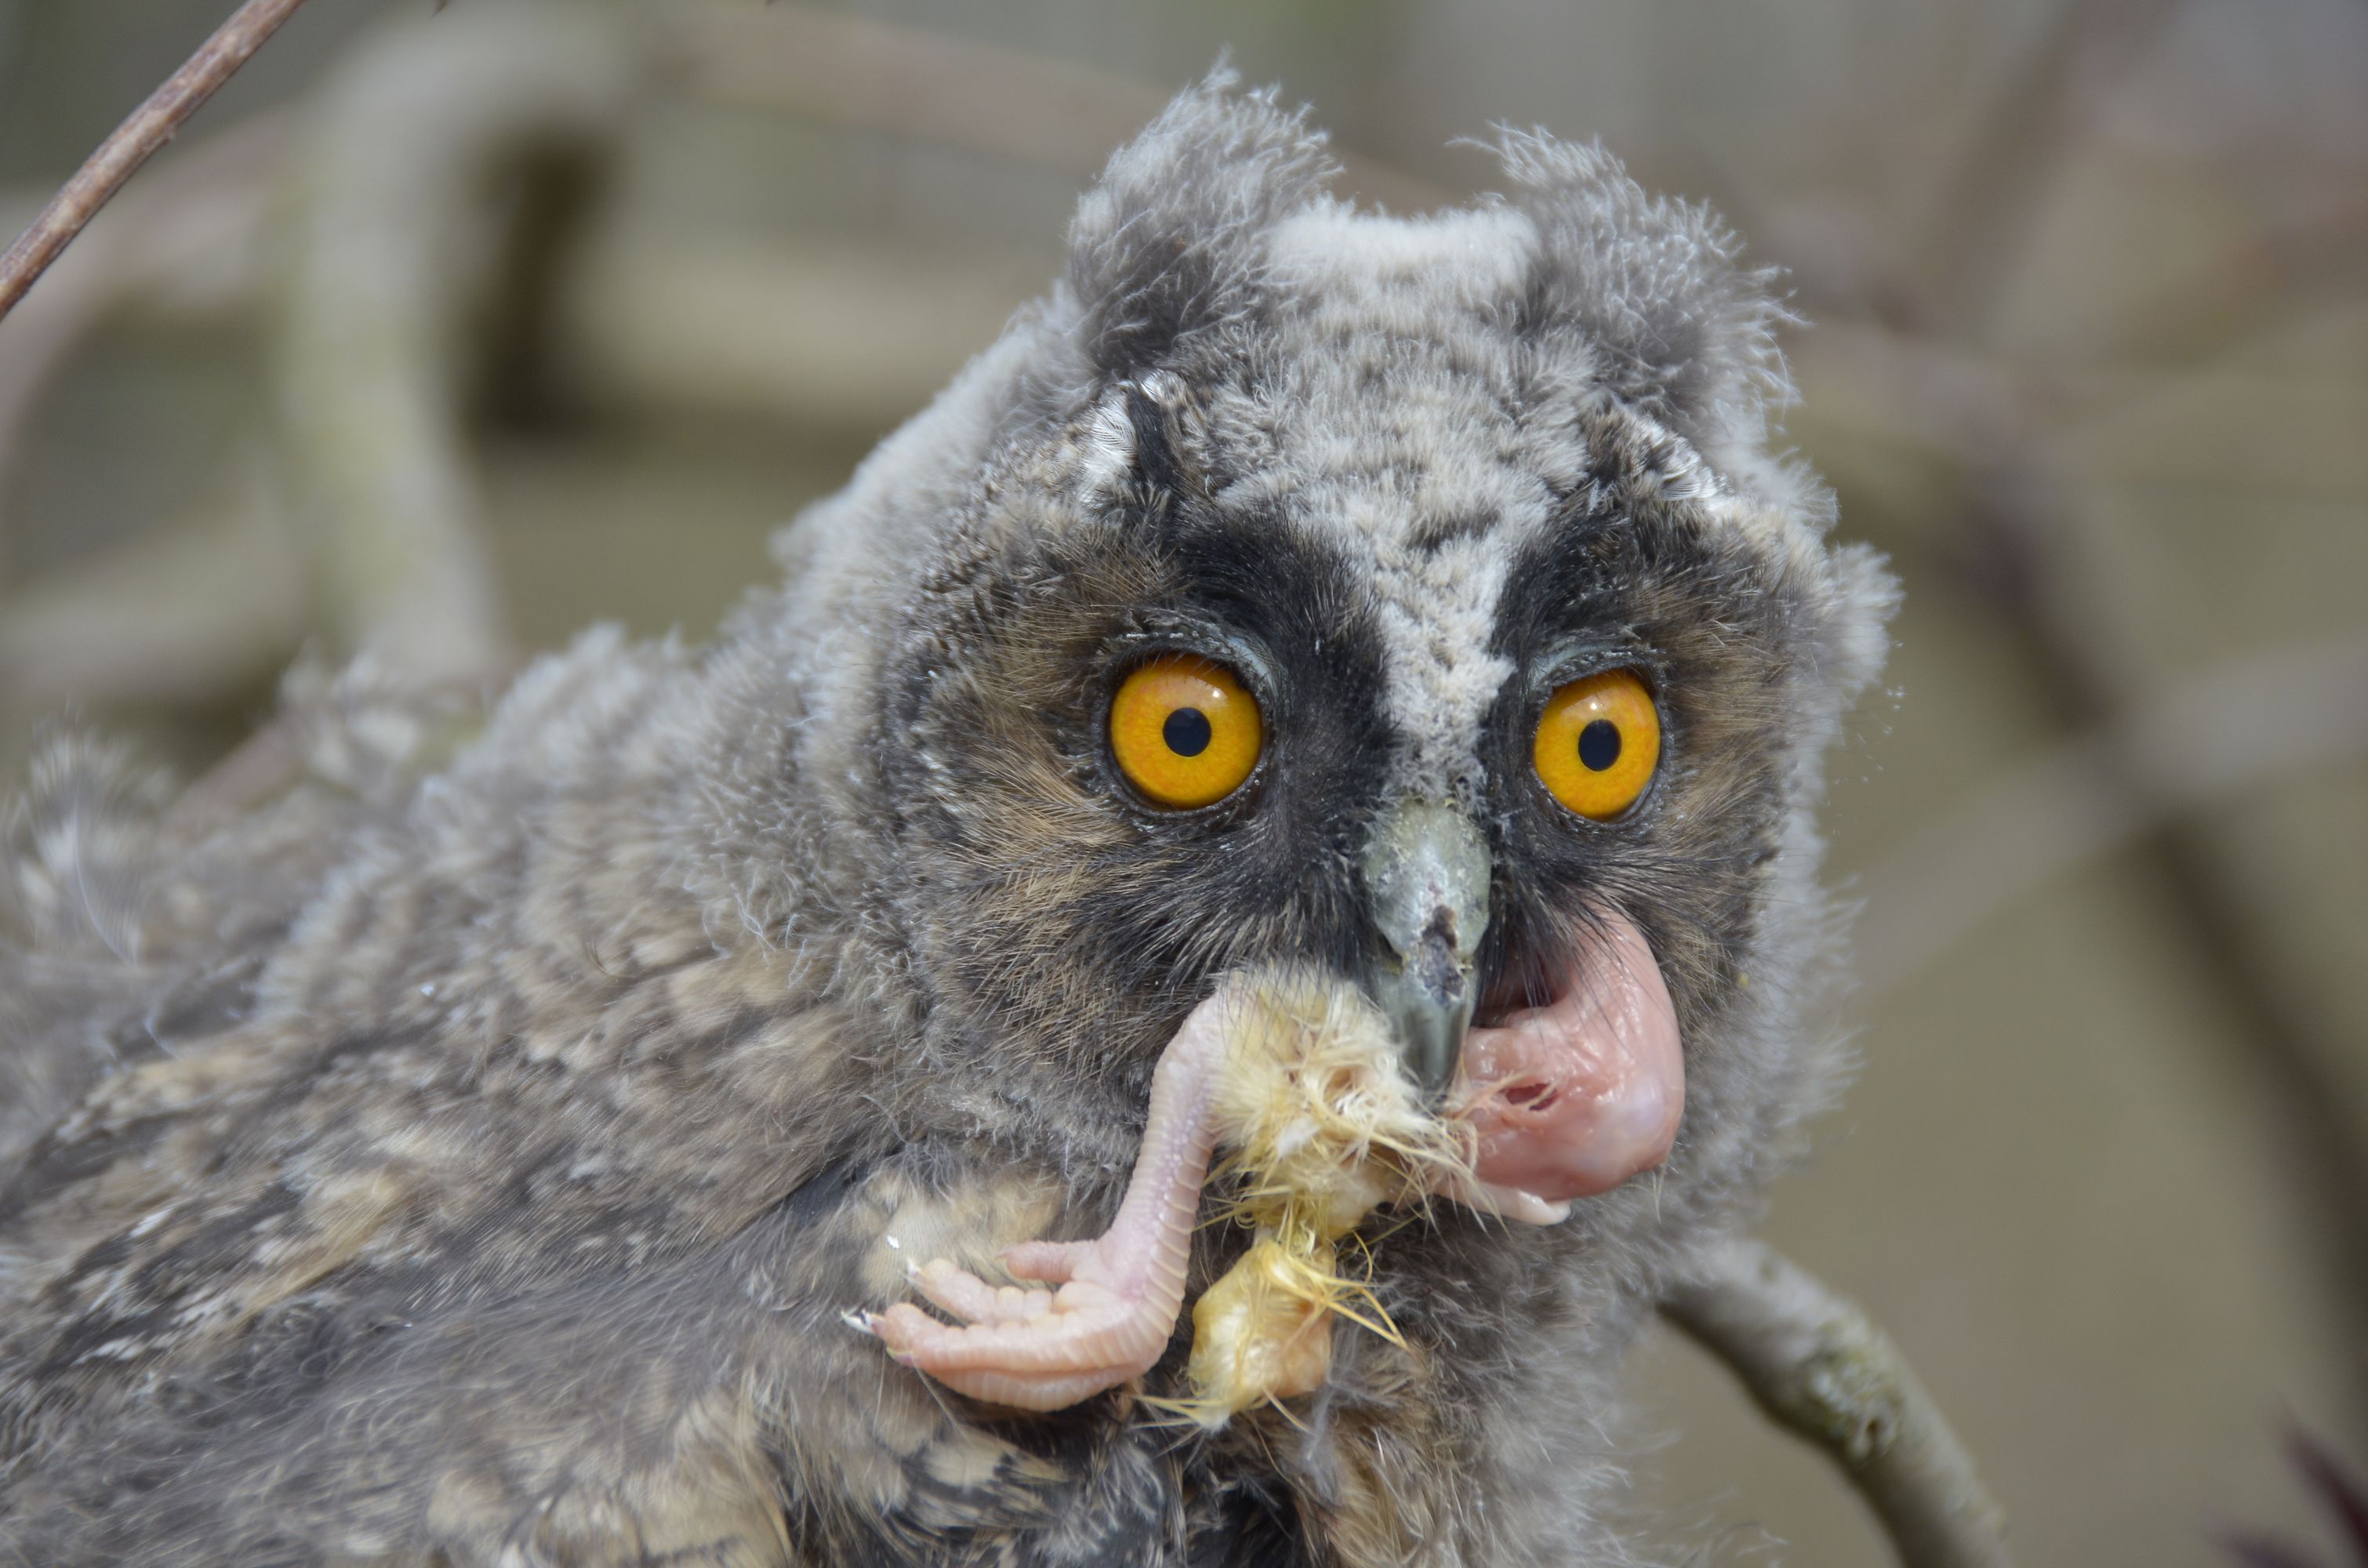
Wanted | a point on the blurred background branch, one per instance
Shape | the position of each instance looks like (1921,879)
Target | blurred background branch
(859,74)
(1983,224)
(2011,538)
(428,207)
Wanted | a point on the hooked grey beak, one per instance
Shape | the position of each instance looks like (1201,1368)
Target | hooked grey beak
(1426,875)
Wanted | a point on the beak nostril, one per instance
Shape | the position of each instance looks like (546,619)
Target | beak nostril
(1437,967)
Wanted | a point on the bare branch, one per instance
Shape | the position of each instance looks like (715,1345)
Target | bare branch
(137,139)
(1817,1365)
(187,236)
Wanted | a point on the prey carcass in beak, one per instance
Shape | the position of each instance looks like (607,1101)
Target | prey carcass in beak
(1565,1096)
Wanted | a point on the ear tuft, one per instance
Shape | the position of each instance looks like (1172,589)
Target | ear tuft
(1170,242)
(1681,329)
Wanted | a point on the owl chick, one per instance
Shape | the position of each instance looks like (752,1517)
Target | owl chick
(543,1152)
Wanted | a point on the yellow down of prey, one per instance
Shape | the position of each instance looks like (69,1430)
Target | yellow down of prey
(1321,1127)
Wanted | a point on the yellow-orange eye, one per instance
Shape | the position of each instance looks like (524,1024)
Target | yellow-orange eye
(1598,743)
(1184,730)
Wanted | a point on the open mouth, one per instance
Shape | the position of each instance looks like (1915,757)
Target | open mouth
(1526,978)
(1572,1078)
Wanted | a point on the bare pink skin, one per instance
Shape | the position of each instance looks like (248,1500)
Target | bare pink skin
(1573,1098)
(1567,1099)
(1119,1294)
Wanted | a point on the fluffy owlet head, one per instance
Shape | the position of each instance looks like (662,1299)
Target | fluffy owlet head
(1400,481)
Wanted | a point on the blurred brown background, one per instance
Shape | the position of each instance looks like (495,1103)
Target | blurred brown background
(450,334)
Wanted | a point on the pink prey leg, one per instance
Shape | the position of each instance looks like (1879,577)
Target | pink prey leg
(1118,1296)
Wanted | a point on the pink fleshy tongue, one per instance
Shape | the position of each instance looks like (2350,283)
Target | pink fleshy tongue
(1575,1098)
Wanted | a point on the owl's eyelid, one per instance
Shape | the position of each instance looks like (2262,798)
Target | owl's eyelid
(1250,663)
(1576,658)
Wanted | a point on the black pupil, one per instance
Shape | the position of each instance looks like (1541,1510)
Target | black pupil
(1187,732)
(1598,745)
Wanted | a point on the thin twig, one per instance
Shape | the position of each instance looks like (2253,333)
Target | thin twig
(137,139)
(185,237)
(1817,1364)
